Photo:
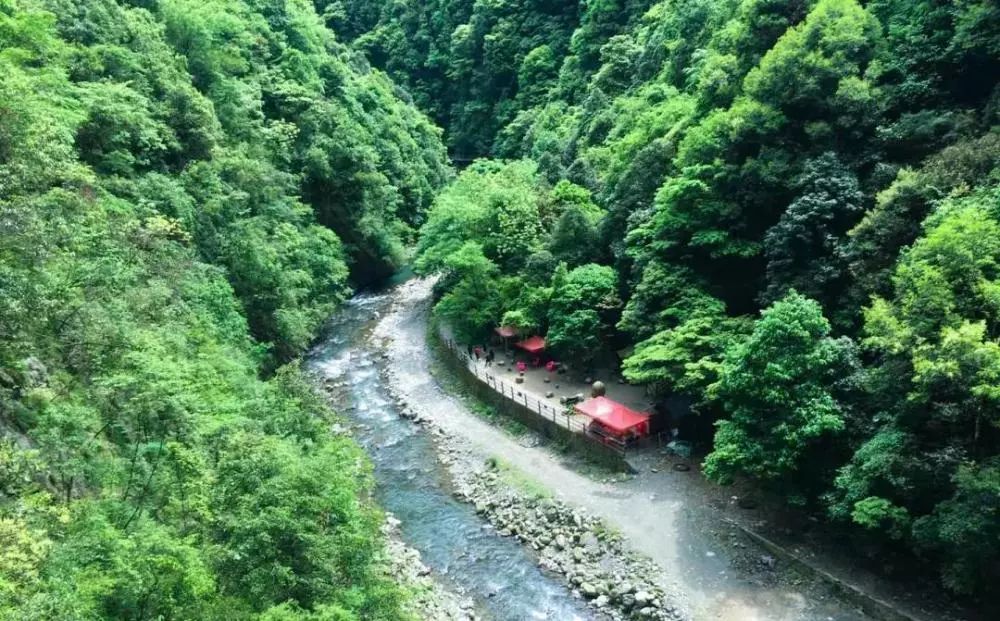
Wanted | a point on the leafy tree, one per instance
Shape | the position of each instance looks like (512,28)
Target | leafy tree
(939,364)
(779,389)
(664,298)
(804,249)
(963,529)
(473,305)
(472,65)
(895,221)
(582,311)
(577,336)
(291,532)
(539,267)
(685,359)
(526,306)
(512,231)
(490,203)
(564,196)
(536,75)
(574,238)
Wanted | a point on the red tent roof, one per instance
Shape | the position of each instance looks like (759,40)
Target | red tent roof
(614,415)
(532,345)
(505,331)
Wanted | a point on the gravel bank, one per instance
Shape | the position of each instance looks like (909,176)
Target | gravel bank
(429,600)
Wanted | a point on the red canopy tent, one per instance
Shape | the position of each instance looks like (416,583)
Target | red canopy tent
(532,345)
(506,331)
(615,417)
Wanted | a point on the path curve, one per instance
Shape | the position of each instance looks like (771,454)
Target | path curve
(683,535)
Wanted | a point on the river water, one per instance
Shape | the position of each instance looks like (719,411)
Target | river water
(499,574)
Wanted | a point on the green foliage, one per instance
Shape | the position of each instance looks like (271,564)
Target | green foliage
(473,303)
(588,286)
(231,138)
(574,238)
(964,528)
(885,464)
(779,389)
(291,526)
(804,249)
(583,309)
(494,204)
(895,221)
(665,298)
(367,163)
(681,332)
(936,378)
(878,513)
(148,388)
(484,229)
(464,61)
(685,359)
(536,75)
(577,336)
(525,305)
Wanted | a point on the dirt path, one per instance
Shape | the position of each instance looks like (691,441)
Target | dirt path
(713,573)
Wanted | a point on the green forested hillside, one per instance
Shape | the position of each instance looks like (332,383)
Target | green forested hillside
(786,212)
(166,172)
(789,208)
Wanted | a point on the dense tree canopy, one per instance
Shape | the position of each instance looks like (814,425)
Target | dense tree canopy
(166,169)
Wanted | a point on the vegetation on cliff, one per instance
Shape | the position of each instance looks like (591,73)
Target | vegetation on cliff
(166,172)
